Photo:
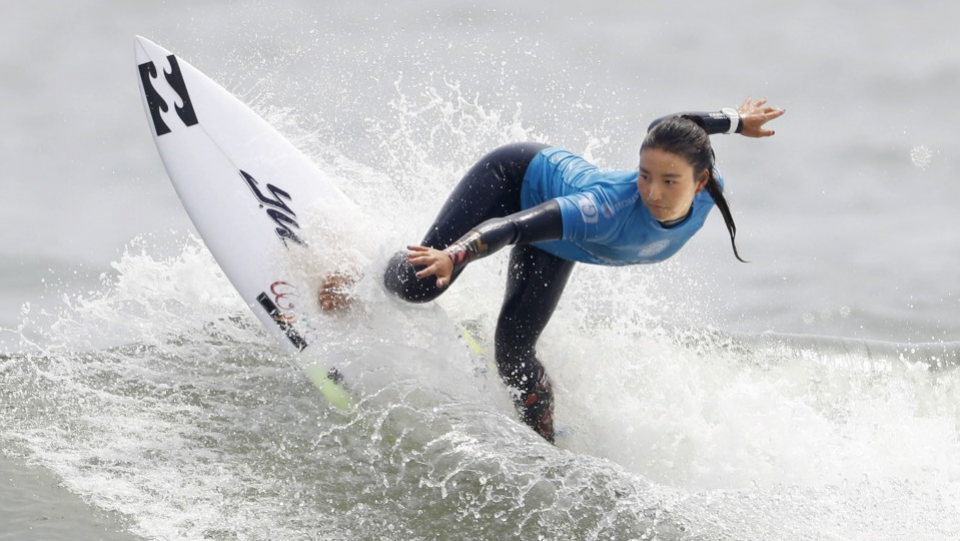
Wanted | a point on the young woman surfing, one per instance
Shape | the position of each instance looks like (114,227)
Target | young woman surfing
(555,208)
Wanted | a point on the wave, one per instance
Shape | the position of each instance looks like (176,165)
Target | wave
(159,397)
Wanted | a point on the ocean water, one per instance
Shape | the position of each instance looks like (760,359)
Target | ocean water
(810,394)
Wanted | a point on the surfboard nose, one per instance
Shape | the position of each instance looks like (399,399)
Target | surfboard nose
(146,50)
(142,41)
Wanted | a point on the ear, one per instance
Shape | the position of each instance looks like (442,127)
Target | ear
(702,180)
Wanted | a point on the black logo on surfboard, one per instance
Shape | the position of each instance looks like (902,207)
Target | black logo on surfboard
(283,321)
(156,103)
(278,210)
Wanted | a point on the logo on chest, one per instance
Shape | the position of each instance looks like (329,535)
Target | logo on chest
(654,248)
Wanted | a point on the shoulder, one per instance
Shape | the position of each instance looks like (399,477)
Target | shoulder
(562,158)
(570,173)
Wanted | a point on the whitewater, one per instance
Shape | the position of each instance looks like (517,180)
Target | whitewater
(811,394)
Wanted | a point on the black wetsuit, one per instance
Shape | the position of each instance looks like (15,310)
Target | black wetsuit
(490,195)
(489,192)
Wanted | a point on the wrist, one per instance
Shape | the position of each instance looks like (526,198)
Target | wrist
(736,121)
(465,250)
(458,255)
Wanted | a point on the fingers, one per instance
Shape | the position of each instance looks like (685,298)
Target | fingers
(425,260)
(749,106)
(759,132)
(768,114)
(435,270)
(427,271)
(333,283)
(418,260)
(421,255)
(435,263)
(334,292)
(756,114)
(418,254)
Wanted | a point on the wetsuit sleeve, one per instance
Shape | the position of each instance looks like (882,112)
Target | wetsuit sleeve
(541,223)
(713,123)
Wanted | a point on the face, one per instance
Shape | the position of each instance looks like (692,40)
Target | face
(667,184)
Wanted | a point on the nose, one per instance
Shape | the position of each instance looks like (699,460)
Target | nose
(653,194)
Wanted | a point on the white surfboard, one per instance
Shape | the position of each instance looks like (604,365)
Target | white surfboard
(243,185)
(248,191)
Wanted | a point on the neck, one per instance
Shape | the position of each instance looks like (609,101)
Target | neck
(670,223)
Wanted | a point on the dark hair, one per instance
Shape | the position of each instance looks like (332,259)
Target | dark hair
(685,136)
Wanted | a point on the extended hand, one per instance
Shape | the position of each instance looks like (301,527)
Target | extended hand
(437,263)
(335,290)
(755,114)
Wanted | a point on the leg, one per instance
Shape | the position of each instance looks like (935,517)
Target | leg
(534,286)
(490,189)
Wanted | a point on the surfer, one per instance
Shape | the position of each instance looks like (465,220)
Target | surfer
(556,209)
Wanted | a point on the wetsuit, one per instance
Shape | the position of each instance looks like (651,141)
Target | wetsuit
(555,208)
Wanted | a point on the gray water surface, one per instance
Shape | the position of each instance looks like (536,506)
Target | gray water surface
(147,399)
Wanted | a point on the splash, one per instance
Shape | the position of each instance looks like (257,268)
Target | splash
(700,426)
(921,157)
(159,396)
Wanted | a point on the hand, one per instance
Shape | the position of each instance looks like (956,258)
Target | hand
(335,291)
(437,263)
(755,114)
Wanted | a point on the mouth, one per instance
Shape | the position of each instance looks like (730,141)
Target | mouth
(660,212)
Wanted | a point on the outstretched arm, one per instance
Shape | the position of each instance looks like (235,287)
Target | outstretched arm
(541,223)
(748,119)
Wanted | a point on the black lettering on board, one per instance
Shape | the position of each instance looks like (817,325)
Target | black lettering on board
(156,103)
(282,321)
(281,213)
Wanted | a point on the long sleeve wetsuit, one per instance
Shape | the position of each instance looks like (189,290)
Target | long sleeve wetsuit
(554,208)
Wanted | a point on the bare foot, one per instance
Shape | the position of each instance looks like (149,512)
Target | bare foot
(334,293)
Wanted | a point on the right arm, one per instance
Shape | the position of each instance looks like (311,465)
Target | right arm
(537,224)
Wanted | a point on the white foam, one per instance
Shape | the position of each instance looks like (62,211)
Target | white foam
(159,396)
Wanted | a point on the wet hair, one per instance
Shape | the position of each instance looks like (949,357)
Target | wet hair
(685,136)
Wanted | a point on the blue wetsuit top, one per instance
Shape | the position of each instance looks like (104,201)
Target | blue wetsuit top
(604,220)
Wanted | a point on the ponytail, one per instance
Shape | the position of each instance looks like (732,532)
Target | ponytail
(716,193)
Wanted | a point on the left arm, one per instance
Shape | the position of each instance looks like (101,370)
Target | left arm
(747,120)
